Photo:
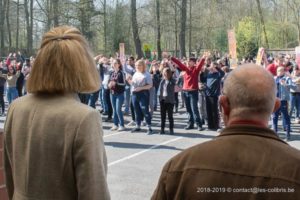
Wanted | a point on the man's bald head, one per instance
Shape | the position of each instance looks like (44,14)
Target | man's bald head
(250,90)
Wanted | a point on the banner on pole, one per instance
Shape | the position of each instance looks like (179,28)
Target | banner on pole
(122,53)
(260,56)
(298,55)
(232,48)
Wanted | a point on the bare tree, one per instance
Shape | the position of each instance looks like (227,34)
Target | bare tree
(183,28)
(135,30)
(158,34)
(105,25)
(18,24)
(2,20)
(8,23)
(55,12)
(29,23)
(175,6)
(262,22)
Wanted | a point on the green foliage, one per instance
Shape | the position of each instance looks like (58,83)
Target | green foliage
(281,35)
(247,38)
(221,40)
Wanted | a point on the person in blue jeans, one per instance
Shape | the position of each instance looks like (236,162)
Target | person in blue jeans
(117,88)
(295,94)
(283,83)
(190,89)
(11,77)
(129,70)
(141,84)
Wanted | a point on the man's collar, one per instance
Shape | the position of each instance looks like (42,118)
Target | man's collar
(253,130)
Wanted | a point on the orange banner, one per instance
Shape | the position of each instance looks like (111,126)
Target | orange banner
(232,44)
(122,53)
(260,56)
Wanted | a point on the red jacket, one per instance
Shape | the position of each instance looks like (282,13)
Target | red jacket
(190,78)
(272,68)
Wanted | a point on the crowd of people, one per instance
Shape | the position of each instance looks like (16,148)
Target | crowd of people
(14,71)
(139,87)
(53,143)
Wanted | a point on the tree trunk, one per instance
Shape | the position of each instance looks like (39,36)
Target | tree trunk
(135,30)
(48,5)
(176,29)
(17,31)
(55,12)
(8,25)
(29,23)
(30,46)
(2,20)
(158,39)
(85,18)
(262,22)
(105,26)
(183,28)
(190,30)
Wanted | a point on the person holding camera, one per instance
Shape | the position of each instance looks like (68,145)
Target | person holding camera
(212,91)
(117,85)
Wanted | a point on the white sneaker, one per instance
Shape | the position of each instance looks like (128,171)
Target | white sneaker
(132,123)
(114,128)
(121,128)
(297,120)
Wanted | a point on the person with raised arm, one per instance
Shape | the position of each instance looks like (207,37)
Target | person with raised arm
(190,89)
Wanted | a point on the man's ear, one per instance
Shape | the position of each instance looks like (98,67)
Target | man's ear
(224,102)
(277,105)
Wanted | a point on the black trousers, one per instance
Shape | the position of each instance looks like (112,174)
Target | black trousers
(109,105)
(84,98)
(132,111)
(2,99)
(212,112)
(20,84)
(176,100)
(164,109)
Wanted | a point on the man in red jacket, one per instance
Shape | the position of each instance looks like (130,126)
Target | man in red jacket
(190,89)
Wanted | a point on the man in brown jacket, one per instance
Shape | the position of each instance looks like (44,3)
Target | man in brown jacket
(247,160)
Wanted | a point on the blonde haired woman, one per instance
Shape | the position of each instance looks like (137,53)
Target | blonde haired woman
(141,84)
(53,143)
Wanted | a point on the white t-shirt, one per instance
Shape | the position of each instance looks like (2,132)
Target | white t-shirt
(165,90)
(141,79)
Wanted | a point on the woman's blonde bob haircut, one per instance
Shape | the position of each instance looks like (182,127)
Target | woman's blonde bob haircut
(64,64)
(141,63)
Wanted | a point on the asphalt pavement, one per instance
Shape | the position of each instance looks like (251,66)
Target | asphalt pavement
(135,160)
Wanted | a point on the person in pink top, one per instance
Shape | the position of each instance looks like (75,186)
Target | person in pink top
(190,89)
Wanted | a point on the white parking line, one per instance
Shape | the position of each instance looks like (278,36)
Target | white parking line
(144,151)
(112,134)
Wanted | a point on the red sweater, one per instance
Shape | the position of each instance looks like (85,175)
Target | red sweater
(190,78)
(272,68)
